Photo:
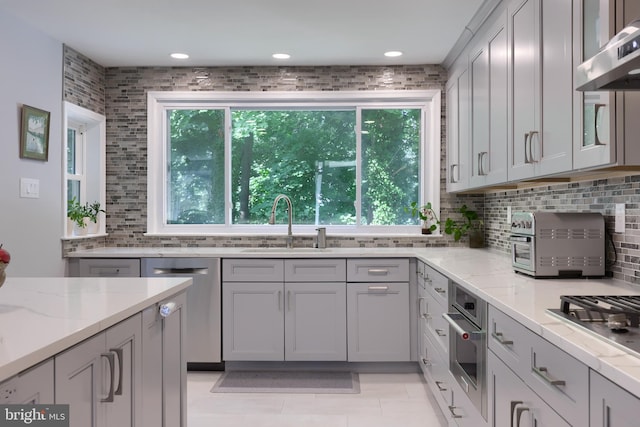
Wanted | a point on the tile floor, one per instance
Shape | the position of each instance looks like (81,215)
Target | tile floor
(385,400)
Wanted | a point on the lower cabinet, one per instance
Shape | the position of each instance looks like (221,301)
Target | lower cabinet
(378,322)
(99,378)
(294,321)
(611,405)
(33,386)
(514,403)
(164,370)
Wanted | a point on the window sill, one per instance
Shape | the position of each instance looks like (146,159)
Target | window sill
(86,236)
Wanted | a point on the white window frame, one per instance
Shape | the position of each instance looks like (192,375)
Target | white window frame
(159,102)
(93,128)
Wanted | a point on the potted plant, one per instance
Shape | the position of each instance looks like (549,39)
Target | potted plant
(93,210)
(470,223)
(426,214)
(76,213)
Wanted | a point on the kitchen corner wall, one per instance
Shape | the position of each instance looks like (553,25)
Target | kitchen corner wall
(126,111)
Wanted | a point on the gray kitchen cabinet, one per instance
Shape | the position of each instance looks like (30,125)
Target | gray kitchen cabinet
(101,377)
(32,386)
(556,377)
(611,405)
(488,65)
(515,404)
(164,371)
(458,129)
(606,121)
(378,322)
(315,321)
(297,312)
(104,267)
(541,87)
(252,321)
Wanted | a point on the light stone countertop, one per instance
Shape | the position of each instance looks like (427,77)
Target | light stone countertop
(41,316)
(486,273)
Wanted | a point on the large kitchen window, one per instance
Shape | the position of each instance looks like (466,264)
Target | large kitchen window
(348,161)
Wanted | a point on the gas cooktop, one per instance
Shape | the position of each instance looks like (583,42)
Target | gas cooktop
(612,318)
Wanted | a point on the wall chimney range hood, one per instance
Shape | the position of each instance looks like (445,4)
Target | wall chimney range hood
(616,66)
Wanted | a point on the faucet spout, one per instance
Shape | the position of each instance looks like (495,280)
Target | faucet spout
(272,218)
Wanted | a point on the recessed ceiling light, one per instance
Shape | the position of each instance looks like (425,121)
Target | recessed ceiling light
(281,56)
(179,56)
(393,53)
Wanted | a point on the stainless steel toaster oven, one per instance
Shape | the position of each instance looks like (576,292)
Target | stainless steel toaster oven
(558,244)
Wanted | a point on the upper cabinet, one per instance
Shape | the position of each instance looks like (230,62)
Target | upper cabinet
(540,87)
(458,130)
(488,65)
(512,111)
(606,122)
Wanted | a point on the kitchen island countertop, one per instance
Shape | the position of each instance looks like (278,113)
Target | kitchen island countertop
(42,316)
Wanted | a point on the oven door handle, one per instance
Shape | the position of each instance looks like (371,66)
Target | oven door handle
(466,334)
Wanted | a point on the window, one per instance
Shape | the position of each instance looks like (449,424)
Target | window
(84,157)
(348,161)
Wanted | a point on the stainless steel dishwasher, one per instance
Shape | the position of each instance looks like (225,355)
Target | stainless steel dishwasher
(204,321)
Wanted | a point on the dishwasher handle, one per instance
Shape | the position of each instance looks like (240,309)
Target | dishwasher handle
(181,271)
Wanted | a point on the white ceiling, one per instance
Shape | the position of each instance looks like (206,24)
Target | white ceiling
(246,32)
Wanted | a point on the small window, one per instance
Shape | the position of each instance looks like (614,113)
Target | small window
(84,157)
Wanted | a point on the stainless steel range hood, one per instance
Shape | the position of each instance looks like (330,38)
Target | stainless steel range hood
(616,66)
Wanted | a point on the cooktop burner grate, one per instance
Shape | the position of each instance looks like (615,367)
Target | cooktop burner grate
(592,308)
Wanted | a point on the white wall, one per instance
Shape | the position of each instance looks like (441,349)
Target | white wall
(31,74)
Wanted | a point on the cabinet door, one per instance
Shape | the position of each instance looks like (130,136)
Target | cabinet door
(378,322)
(316,321)
(82,380)
(610,405)
(124,340)
(458,132)
(253,321)
(524,21)
(34,386)
(513,403)
(479,143)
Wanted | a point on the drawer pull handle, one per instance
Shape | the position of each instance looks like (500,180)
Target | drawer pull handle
(441,333)
(499,337)
(440,388)
(120,353)
(426,362)
(543,373)
(439,290)
(378,288)
(519,412)
(378,271)
(112,374)
(452,410)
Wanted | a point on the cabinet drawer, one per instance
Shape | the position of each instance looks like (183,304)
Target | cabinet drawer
(315,270)
(437,284)
(560,380)
(435,366)
(109,267)
(378,270)
(509,340)
(436,327)
(253,270)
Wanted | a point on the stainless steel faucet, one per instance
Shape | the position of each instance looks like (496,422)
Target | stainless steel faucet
(321,238)
(272,218)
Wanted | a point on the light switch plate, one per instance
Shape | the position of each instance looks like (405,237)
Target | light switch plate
(29,188)
(620,218)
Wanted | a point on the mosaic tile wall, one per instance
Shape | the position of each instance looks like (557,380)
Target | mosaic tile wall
(594,196)
(126,111)
(84,82)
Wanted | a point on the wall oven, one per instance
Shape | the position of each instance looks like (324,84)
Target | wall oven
(467,320)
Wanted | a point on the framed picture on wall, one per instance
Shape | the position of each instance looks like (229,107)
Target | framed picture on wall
(34,134)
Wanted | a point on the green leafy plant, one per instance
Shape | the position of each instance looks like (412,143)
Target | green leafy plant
(77,212)
(426,214)
(470,221)
(93,210)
